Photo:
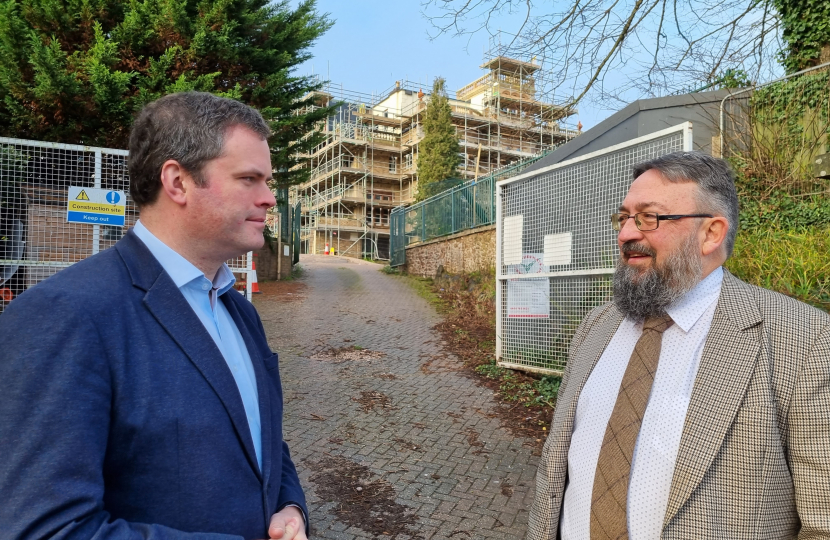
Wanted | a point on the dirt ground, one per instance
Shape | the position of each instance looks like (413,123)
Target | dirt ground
(469,330)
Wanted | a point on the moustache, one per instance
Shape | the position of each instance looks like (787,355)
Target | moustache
(633,247)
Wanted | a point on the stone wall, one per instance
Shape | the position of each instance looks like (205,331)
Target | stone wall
(465,252)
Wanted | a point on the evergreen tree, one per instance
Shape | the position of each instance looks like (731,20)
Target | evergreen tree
(77,71)
(438,150)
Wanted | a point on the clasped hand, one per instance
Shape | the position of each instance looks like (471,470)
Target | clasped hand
(287,524)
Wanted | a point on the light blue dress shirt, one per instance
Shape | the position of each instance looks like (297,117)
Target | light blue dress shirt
(202,295)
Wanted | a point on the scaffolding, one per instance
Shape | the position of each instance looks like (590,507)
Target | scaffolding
(367,162)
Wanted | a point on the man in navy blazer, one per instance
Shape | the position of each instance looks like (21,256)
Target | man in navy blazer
(138,395)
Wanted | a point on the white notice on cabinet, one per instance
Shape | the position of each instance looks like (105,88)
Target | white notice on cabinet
(558,249)
(512,240)
(528,298)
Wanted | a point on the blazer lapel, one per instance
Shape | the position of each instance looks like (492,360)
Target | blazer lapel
(588,353)
(164,300)
(244,327)
(726,366)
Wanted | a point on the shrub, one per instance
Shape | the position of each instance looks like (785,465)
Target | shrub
(788,261)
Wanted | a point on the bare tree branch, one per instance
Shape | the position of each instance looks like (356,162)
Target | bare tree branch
(616,49)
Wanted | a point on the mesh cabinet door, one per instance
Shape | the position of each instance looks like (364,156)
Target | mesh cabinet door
(556,250)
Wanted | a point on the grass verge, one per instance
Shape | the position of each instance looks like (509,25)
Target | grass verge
(423,287)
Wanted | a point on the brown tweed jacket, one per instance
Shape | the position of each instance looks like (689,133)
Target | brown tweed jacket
(754,457)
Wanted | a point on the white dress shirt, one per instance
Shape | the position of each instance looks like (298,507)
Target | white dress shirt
(659,438)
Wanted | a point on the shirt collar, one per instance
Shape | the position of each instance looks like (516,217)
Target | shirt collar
(686,311)
(180,270)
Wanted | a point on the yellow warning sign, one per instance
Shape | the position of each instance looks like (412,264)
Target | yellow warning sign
(99,208)
(96,206)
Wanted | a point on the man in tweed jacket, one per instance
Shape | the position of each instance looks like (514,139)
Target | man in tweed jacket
(735,439)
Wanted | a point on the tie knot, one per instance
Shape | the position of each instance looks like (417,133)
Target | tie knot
(658,324)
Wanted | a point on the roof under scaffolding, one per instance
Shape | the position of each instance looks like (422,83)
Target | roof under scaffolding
(510,65)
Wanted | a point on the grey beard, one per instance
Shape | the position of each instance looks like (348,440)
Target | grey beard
(646,295)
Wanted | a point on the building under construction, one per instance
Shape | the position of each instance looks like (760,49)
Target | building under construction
(366,166)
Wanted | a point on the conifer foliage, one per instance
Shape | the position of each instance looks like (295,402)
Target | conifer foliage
(438,151)
(77,71)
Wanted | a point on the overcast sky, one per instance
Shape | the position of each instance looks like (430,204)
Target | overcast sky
(373,43)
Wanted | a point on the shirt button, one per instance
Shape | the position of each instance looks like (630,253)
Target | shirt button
(205,286)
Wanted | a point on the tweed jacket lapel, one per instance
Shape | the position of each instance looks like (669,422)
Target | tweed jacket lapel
(584,356)
(726,366)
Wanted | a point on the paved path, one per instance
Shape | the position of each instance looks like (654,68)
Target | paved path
(404,435)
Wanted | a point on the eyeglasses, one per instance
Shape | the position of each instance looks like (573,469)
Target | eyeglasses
(648,221)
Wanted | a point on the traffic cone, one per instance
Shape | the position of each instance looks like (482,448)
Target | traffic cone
(254,283)
(6,295)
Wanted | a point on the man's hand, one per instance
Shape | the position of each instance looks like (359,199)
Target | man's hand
(287,524)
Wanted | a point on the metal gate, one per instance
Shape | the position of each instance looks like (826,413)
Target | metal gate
(397,236)
(296,226)
(556,250)
(59,204)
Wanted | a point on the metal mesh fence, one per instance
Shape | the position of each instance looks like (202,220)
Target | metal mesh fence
(463,207)
(397,236)
(774,132)
(60,204)
(557,250)
(285,214)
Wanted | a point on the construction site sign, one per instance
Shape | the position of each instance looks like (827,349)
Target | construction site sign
(95,206)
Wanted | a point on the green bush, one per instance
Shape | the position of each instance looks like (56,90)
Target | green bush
(784,235)
(783,211)
(491,371)
(793,262)
(539,392)
(514,387)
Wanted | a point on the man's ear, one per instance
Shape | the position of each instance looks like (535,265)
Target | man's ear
(714,234)
(175,182)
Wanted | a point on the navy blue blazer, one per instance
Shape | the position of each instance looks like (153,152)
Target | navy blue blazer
(119,417)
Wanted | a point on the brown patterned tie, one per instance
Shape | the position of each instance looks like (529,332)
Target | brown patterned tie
(608,504)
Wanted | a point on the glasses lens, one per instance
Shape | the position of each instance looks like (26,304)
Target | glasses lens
(617,221)
(646,221)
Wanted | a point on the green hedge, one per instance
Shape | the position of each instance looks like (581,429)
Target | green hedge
(793,262)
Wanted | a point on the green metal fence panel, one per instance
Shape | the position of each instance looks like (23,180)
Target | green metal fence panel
(284,209)
(295,233)
(438,216)
(463,207)
(397,236)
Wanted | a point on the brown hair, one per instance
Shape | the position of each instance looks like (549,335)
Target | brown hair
(188,127)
